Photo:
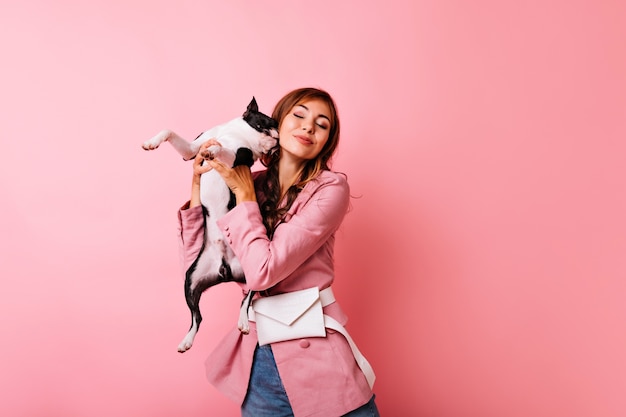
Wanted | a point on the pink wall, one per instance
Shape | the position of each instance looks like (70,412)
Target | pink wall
(483,264)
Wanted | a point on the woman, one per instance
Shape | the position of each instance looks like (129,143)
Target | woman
(282,231)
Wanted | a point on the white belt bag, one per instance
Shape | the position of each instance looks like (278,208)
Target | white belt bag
(297,315)
(289,316)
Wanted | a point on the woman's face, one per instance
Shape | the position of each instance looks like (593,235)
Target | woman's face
(304,130)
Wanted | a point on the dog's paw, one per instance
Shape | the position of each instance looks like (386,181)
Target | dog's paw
(243,324)
(211,152)
(156,140)
(244,327)
(185,345)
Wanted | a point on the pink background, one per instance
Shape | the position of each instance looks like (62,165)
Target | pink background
(483,265)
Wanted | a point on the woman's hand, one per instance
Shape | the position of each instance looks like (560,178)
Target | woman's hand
(198,167)
(239,179)
(198,170)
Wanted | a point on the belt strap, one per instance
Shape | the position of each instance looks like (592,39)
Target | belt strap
(327,297)
(365,366)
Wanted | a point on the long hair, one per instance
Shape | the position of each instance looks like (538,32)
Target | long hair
(271,187)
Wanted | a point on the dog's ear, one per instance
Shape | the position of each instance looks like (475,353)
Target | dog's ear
(252,108)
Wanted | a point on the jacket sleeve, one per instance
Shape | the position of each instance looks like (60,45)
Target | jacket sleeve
(190,234)
(266,262)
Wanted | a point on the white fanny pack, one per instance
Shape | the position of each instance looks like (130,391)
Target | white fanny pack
(297,315)
(289,316)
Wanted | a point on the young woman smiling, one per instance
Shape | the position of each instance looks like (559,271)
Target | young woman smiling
(282,230)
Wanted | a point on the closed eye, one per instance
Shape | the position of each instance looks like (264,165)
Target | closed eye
(321,121)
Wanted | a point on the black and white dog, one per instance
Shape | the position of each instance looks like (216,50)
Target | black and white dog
(242,141)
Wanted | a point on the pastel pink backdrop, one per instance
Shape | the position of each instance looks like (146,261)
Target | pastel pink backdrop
(482,264)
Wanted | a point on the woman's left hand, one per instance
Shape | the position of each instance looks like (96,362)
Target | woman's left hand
(239,179)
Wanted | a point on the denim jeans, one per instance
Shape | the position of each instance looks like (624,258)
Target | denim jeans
(266,395)
(367,410)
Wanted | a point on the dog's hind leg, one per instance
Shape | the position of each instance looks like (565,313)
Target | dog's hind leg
(203,274)
(243,324)
(193,302)
(192,295)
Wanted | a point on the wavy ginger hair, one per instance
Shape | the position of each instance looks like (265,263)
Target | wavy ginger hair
(271,209)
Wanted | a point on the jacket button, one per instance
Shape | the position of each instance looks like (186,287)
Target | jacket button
(304,343)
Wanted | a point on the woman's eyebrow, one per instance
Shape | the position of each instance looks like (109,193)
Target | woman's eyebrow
(307,109)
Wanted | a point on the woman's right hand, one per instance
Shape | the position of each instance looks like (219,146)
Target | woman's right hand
(198,169)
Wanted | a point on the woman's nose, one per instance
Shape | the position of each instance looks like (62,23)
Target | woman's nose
(307,125)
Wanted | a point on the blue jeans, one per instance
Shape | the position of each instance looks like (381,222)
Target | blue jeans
(266,395)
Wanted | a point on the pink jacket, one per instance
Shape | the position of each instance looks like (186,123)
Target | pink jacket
(320,375)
